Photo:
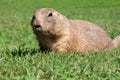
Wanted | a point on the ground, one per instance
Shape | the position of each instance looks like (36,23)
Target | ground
(20,58)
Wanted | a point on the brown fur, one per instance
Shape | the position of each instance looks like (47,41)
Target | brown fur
(55,32)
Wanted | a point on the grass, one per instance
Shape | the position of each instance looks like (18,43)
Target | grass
(20,58)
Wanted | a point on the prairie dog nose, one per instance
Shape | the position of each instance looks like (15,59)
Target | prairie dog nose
(35,22)
(32,21)
(34,17)
(35,25)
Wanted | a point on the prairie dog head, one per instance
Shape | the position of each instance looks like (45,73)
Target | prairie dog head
(48,21)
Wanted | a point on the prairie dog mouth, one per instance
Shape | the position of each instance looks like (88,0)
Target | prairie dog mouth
(37,26)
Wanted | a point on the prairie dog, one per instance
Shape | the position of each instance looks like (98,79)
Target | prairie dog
(55,32)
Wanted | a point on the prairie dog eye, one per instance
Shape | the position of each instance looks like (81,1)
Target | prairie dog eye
(50,14)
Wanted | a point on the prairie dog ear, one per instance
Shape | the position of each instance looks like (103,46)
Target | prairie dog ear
(60,16)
